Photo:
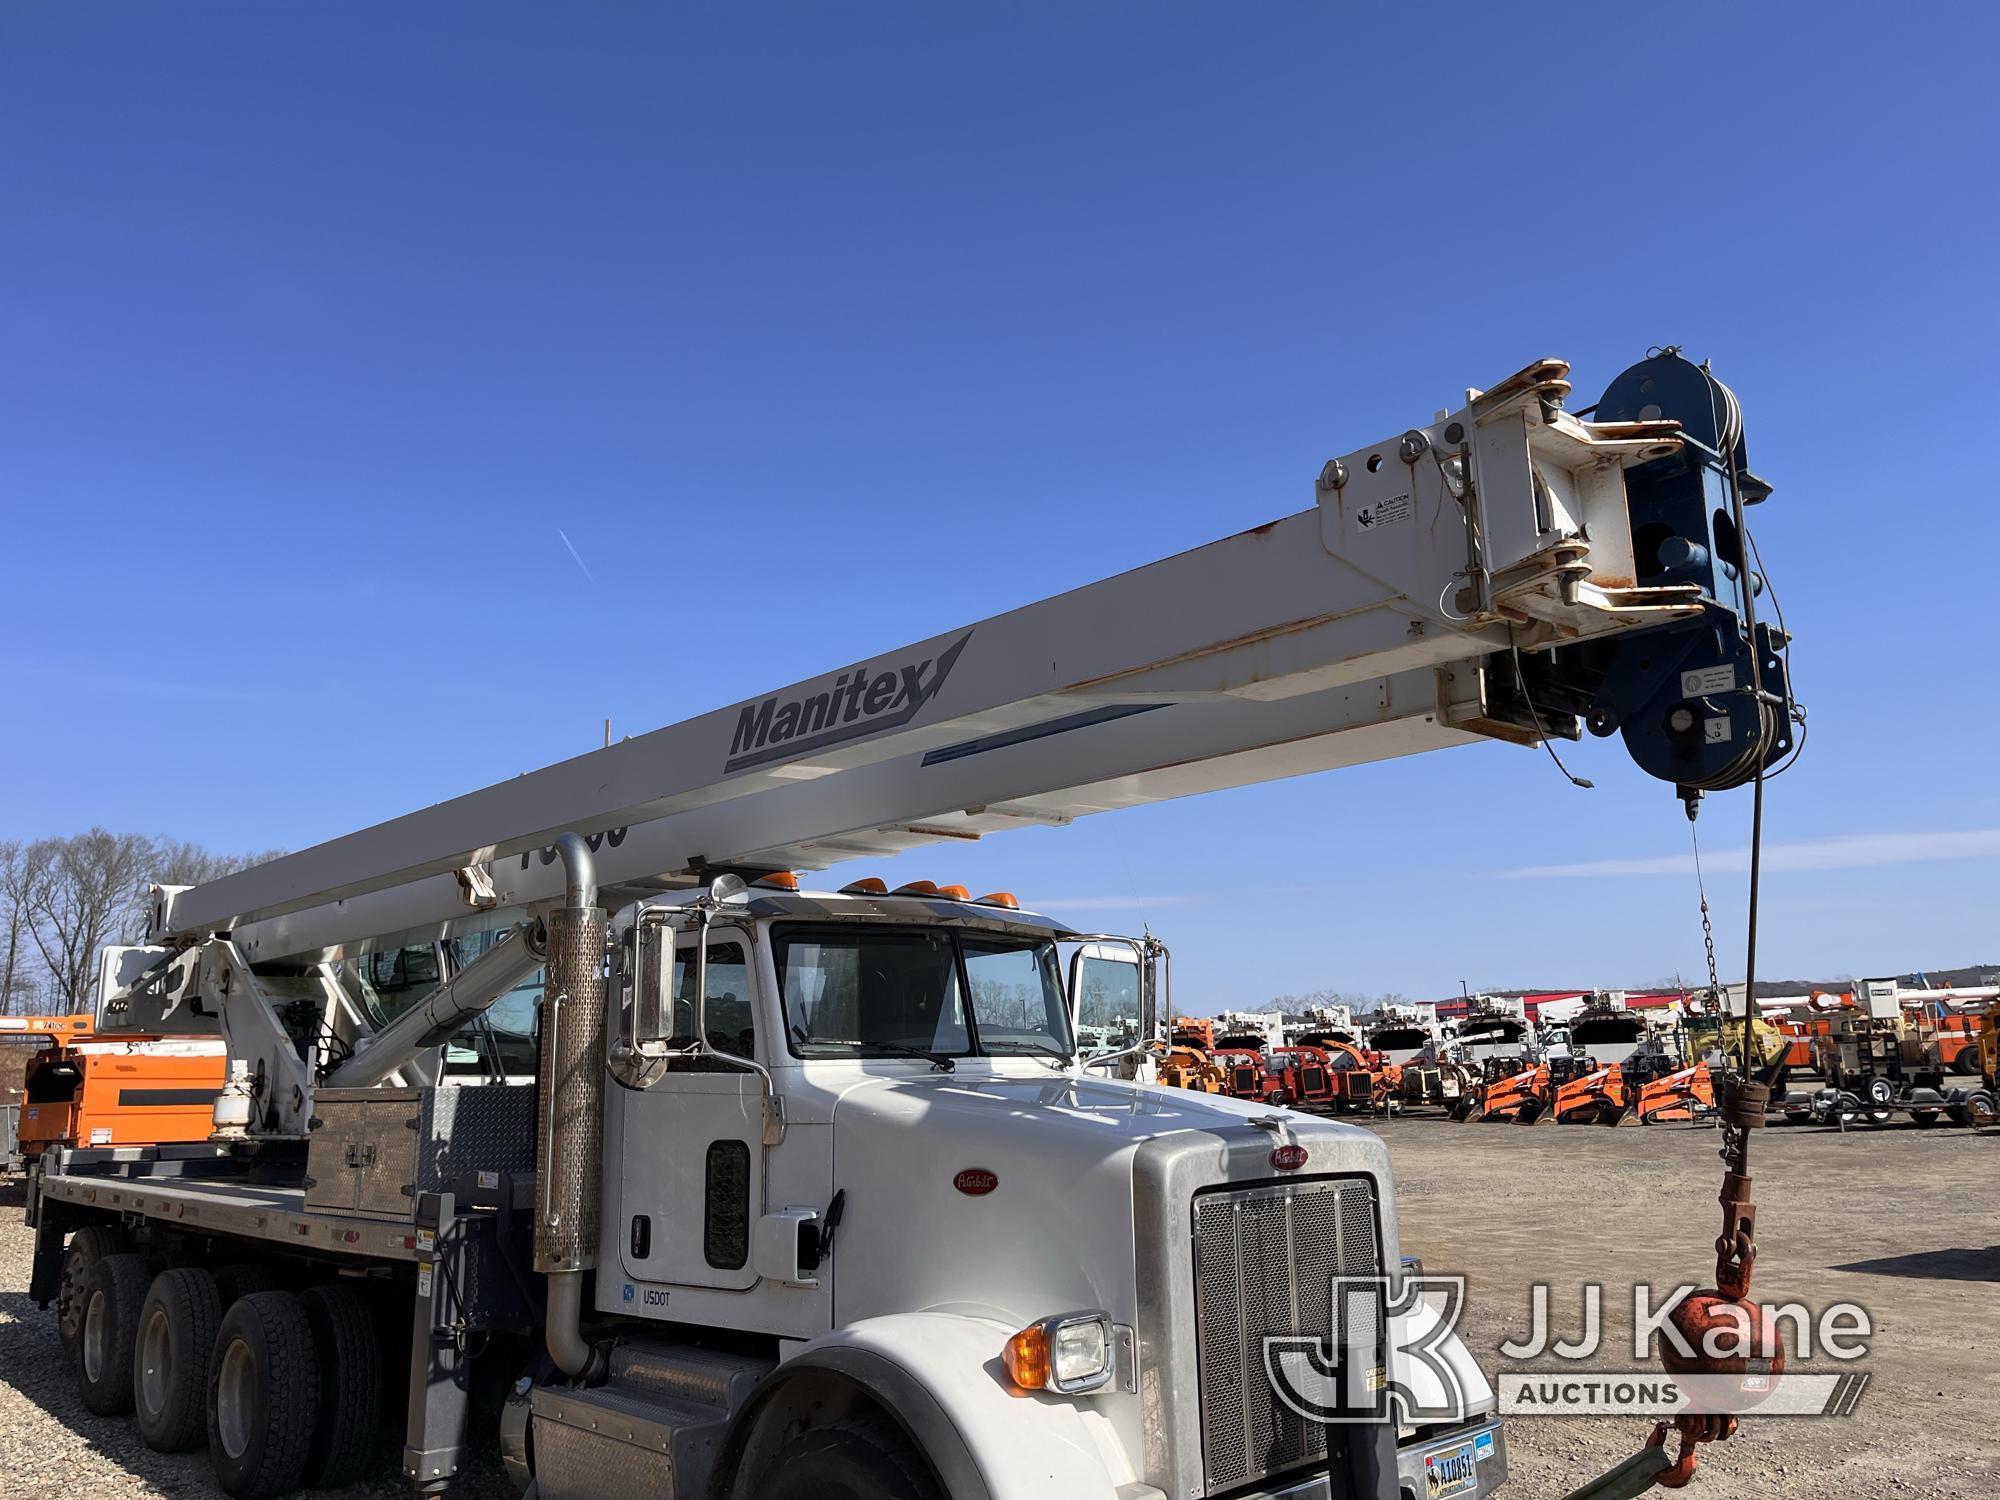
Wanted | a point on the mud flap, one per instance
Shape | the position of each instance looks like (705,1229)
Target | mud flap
(52,1225)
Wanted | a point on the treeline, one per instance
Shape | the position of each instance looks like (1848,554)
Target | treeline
(1315,999)
(61,899)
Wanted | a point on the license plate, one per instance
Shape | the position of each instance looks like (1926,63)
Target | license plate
(1450,1471)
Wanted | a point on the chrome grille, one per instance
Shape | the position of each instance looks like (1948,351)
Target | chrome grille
(1264,1263)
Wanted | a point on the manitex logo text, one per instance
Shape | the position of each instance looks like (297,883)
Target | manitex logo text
(860,702)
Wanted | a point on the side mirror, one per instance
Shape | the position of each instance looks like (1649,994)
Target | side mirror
(646,958)
(652,975)
(1106,991)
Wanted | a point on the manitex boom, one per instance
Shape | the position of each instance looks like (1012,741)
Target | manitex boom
(748,1191)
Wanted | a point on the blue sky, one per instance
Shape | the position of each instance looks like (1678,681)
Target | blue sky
(823,328)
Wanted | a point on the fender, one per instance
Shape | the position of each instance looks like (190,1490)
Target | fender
(939,1376)
(1416,1376)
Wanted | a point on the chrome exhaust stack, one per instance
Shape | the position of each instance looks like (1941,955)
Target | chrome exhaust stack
(569,1153)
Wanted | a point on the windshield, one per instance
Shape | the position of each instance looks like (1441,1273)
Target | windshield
(863,990)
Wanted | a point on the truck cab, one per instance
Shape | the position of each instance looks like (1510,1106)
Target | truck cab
(887,1166)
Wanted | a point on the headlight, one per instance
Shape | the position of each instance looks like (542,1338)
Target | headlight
(1069,1354)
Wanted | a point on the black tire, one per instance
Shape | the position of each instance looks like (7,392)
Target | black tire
(1926,1118)
(263,1396)
(86,1248)
(1982,1110)
(859,1460)
(1879,1091)
(245,1278)
(350,1386)
(112,1298)
(175,1336)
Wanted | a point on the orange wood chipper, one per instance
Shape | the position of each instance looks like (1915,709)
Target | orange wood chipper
(1192,1068)
(1308,1073)
(1357,1082)
(85,1090)
(1250,1076)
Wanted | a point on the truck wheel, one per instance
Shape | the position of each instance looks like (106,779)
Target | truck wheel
(1880,1091)
(350,1386)
(861,1460)
(1982,1110)
(86,1248)
(1926,1117)
(170,1365)
(263,1396)
(112,1298)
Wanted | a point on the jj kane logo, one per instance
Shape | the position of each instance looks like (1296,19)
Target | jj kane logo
(860,702)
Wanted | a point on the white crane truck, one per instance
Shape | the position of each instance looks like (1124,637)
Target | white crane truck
(780,1194)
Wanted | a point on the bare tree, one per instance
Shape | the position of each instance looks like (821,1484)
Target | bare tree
(82,892)
(61,899)
(16,961)
(184,862)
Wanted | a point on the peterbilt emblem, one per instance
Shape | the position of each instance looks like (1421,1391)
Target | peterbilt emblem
(1288,1158)
(976,1182)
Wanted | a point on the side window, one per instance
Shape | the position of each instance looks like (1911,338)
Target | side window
(732,1025)
(1017,995)
(388,981)
(501,1039)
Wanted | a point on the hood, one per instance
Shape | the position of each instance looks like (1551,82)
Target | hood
(1018,1186)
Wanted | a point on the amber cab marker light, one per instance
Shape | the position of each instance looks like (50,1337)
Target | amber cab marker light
(1027,1358)
(867,885)
(955,892)
(999,898)
(779,880)
(918,888)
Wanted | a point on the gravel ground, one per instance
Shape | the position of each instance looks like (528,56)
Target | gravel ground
(1902,1221)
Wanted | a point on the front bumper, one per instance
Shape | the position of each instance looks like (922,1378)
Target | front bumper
(1487,1441)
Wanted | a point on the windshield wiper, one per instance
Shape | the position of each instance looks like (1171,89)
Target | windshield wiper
(941,1062)
(1026,1049)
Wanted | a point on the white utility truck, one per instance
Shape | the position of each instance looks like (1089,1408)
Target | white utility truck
(564,1095)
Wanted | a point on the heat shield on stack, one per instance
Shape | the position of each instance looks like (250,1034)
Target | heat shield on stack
(571,1092)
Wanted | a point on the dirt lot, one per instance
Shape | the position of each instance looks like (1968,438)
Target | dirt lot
(1901,1221)
(1905,1222)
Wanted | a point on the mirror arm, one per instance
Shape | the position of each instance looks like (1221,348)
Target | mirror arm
(773,1115)
(1152,1045)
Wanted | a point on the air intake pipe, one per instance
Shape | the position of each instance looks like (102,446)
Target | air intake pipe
(570,1085)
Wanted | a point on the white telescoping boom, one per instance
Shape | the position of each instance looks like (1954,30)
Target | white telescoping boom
(1419,603)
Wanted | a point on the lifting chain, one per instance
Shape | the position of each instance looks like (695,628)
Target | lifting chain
(1707,926)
